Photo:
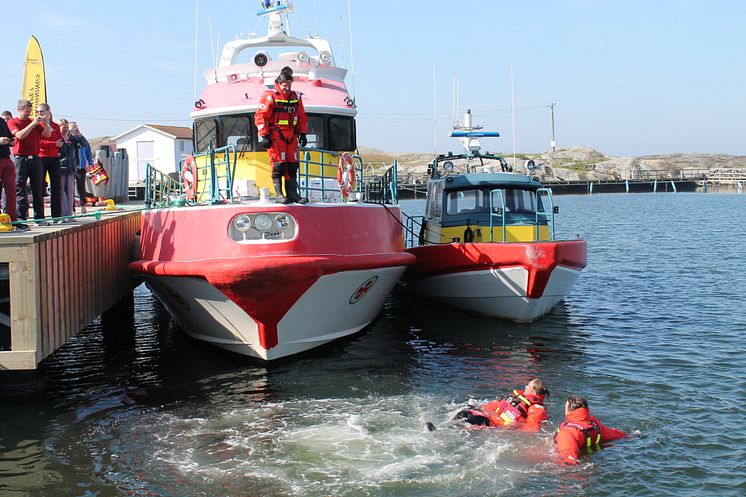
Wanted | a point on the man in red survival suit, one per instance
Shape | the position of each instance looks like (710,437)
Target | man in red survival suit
(581,431)
(521,409)
(282,124)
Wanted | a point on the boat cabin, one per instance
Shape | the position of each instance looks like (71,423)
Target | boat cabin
(486,207)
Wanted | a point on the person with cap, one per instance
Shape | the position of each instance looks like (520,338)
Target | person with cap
(282,125)
(581,431)
(521,409)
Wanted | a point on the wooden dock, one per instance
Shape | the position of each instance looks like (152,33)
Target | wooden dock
(55,280)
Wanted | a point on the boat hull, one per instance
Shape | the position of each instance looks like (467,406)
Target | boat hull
(515,281)
(273,300)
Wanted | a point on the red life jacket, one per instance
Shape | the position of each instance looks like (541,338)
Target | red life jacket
(285,111)
(515,406)
(591,432)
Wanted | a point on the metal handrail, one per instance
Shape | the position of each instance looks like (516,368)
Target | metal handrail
(500,213)
(323,166)
(217,157)
(548,216)
(160,188)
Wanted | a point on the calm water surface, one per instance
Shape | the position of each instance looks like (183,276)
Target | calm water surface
(653,335)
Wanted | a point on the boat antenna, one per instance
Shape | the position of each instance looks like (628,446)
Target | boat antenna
(196,39)
(435,119)
(352,59)
(341,38)
(512,98)
(212,50)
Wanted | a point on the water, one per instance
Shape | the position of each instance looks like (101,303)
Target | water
(652,335)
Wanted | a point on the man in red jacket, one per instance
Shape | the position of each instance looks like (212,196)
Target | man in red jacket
(522,409)
(581,431)
(282,125)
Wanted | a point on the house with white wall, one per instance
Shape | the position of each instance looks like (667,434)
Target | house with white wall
(160,146)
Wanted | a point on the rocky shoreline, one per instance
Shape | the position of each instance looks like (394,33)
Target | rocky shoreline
(580,164)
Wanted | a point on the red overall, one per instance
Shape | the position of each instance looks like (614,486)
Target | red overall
(282,118)
(581,430)
(519,410)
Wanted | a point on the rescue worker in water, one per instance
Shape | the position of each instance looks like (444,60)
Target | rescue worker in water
(522,409)
(282,125)
(581,431)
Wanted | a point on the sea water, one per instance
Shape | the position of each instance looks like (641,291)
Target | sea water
(653,335)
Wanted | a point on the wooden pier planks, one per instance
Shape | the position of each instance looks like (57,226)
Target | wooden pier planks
(61,278)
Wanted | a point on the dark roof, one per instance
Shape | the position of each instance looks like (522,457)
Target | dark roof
(177,131)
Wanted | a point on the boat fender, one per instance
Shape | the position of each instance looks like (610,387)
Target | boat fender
(346,175)
(468,233)
(189,178)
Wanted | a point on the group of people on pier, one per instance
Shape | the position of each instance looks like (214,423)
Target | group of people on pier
(32,149)
(524,410)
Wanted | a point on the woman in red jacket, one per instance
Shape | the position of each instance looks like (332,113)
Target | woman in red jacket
(521,409)
(581,431)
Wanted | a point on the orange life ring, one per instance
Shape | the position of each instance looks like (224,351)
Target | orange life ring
(346,175)
(189,177)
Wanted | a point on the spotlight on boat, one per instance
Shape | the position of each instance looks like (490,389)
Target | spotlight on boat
(303,57)
(242,223)
(448,166)
(261,59)
(325,57)
(282,221)
(263,223)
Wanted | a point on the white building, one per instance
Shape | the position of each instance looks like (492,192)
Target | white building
(160,146)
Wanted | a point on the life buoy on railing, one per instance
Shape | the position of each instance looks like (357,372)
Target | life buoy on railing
(189,178)
(346,175)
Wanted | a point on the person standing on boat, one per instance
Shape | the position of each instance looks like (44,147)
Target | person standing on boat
(521,409)
(50,158)
(27,133)
(581,431)
(282,124)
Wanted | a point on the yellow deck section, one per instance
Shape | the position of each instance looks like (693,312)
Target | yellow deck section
(521,233)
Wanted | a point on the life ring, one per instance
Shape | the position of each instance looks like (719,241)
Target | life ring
(346,175)
(189,178)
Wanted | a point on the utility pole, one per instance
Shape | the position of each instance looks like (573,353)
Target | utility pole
(554,142)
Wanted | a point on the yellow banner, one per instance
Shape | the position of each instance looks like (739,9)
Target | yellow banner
(34,86)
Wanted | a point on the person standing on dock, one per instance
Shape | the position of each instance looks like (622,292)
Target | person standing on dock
(581,431)
(69,159)
(7,172)
(282,124)
(85,162)
(50,158)
(521,409)
(27,133)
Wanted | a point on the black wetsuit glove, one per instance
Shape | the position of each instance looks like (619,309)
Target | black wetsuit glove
(266,141)
(302,140)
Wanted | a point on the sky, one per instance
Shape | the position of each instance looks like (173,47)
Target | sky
(627,78)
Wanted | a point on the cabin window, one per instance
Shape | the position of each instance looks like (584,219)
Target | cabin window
(236,130)
(341,134)
(315,134)
(205,132)
(520,201)
(465,202)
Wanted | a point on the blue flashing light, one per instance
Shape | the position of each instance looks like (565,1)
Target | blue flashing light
(474,134)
